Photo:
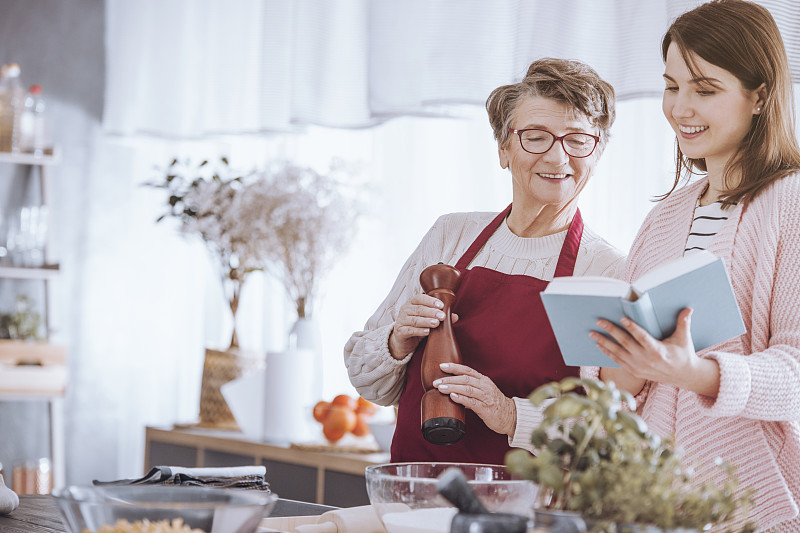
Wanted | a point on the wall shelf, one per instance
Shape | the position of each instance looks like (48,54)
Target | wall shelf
(30,370)
(21,158)
(42,272)
(37,371)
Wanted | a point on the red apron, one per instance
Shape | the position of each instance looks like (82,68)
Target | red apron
(503,333)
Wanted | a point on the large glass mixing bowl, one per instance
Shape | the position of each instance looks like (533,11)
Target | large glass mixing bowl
(208,509)
(406,498)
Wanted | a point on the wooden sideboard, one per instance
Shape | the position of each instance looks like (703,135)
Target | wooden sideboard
(328,478)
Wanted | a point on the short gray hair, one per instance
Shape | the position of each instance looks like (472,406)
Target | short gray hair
(572,82)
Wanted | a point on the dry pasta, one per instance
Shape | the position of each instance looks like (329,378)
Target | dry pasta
(146,526)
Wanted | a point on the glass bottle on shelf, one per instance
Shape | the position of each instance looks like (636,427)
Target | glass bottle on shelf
(4,222)
(33,125)
(12,97)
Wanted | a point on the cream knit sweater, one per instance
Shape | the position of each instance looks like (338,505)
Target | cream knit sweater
(380,378)
(754,423)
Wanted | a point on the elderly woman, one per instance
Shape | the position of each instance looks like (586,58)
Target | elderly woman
(551,129)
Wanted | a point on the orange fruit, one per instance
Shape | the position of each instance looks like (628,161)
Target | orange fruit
(320,411)
(362,428)
(345,401)
(331,433)
(365,407)
(340,420)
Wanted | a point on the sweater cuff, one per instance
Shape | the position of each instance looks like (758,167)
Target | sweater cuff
(735,385)
(590,372)
(385,355)
(529,417)
(593,372)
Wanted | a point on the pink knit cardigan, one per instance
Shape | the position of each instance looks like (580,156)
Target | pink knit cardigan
(754,423)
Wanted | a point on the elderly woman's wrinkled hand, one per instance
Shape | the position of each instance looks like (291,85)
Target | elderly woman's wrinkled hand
(417,317)
(475,391)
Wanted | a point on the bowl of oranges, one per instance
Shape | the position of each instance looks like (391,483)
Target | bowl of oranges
(343,416)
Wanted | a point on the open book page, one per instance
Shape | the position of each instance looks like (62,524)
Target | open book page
(596,285)
(671,270)
(699,282)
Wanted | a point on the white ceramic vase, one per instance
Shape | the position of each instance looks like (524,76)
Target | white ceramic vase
(276,403)
(304,335)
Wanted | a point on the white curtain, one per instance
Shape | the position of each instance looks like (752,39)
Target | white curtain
(311,80)
(193,67)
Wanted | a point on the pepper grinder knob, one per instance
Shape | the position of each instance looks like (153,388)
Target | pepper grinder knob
(442,418)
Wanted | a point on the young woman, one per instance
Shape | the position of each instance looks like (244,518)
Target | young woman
(728,96)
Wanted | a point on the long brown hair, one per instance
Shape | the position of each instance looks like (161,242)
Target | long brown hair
(742,38)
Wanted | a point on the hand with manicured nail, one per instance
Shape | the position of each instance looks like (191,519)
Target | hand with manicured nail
(475,391)
(417,317)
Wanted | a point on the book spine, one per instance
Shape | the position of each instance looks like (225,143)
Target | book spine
(641,311)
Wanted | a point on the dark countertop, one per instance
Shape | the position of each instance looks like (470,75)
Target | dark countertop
(39,514)
(35,514)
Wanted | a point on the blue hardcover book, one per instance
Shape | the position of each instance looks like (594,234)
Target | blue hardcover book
(699,281)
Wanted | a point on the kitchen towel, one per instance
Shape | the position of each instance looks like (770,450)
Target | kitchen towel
(238,477)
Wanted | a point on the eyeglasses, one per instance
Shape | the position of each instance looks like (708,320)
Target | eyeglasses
(535,141)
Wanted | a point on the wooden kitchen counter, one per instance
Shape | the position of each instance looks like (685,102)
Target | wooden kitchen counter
(35,514)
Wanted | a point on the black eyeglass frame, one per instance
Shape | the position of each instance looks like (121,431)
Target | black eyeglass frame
(556,139)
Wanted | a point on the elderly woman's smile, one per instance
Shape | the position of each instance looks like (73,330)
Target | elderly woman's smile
(551,152)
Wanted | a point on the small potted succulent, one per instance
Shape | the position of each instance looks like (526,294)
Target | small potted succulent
(593,457)
(23,324)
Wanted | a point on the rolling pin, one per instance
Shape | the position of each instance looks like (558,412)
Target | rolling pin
(362,519)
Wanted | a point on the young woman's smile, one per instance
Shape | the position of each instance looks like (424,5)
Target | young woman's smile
(691,132)
(710,111)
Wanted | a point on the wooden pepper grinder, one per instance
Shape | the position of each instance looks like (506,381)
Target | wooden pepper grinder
(442,418)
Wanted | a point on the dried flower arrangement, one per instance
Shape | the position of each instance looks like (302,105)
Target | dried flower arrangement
(311,221)
(600,460)
(289,220)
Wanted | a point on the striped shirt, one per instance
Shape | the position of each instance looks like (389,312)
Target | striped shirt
(708,220)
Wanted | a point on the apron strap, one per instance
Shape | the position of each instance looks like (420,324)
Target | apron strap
(569,251)
(478,243)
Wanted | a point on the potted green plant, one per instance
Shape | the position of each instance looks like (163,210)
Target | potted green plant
(594,457)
